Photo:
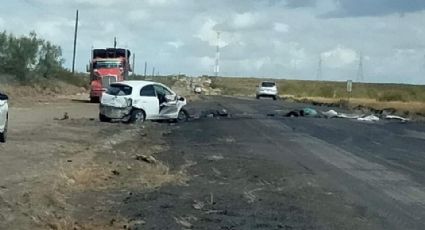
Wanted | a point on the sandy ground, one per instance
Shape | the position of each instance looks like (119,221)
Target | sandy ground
(50,168)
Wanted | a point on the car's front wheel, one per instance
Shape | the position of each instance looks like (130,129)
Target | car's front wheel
(104,118)
(3,135)
(183,116)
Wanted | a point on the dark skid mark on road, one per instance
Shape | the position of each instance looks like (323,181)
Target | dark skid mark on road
(253,171)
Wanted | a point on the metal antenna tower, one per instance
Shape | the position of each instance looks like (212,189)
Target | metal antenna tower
(217,56)
(360,76)
(319,69)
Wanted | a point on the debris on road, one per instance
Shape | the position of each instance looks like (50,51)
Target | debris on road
(65,117)
(115,172)
(332,114)
(183,222)
(394,117)
(147,159)
(198,205)
(369,118)
(215,157)
(214,113)
(306,112)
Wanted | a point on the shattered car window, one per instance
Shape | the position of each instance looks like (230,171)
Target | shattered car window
(119,90)
(148,91)
(267,84)
(161,90)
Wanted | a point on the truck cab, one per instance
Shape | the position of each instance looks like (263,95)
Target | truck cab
(106,67)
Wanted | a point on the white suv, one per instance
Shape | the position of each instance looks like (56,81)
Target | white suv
(136,101)
(267,89)
(4,108)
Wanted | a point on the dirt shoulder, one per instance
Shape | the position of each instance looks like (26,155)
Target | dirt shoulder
(59,173)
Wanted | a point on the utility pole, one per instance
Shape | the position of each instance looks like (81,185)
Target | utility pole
(153,71)
(146,67)
(217,56)
(115,42)
(360,76)
(319,69)
(133,65)
(75,42)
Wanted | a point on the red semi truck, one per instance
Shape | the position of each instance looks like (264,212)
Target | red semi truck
(107,66)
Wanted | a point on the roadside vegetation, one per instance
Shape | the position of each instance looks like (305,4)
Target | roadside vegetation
(30,61)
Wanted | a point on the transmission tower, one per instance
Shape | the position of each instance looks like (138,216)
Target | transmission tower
(319,69)
(360,76)
(217,56)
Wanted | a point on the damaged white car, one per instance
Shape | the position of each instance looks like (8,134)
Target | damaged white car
(137,101)
(4,108)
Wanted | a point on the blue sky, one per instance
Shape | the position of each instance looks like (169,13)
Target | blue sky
(262,38)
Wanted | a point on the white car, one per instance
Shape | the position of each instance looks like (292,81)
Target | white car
(137,101)
(4,108)
(267,89)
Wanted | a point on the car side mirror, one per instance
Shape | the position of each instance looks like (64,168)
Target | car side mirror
(3,97)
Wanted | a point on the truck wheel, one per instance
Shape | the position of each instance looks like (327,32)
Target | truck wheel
(94,100)
(104,118)
(3,135)
(183,115)
(137,116)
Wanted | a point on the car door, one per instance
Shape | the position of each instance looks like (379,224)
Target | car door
(167,102)
(148,101)
(3,111)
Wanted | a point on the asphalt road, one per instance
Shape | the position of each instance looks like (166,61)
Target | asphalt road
(256,171)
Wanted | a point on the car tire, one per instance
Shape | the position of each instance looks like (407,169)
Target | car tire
(137,116)
(3,135)
(104,118)
(274,98)
(183,116)
(94,100)
(258,97)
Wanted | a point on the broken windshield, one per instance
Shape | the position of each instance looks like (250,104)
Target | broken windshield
(106,64)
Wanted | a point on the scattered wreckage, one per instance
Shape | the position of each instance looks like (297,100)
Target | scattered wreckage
(309,112)
(137,101)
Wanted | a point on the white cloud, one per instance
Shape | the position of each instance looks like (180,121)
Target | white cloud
(175,44)
(281,27)
(272,40)
(245,20)
(339,57)
(138,15)
(207,33)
